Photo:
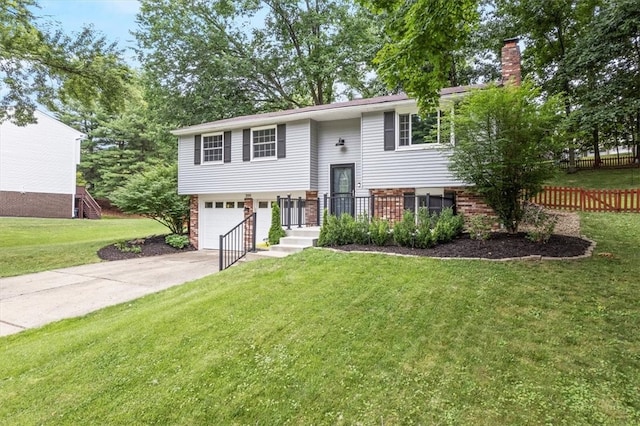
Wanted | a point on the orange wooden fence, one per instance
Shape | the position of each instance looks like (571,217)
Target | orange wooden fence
(589,200)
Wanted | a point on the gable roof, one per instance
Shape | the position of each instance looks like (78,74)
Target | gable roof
(338,110)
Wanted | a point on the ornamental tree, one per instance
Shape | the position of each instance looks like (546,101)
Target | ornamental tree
(505,141)
(154,194)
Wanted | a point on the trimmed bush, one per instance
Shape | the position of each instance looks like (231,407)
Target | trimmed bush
(379,231)
(425,237)
(540,222)
(479,227)
(448,226)
(405,230)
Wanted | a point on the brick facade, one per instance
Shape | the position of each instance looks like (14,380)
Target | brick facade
(390,204)
(36,204)
(469,204)
(193,221)
(511,68)
(311,208)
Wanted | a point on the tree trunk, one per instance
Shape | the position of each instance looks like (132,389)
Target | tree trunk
(596,148)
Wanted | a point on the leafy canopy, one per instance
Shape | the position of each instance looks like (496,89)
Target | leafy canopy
(154,194)
(48,67)
(504,141)
(210,60)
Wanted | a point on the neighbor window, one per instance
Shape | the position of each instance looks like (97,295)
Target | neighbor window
(212,148)
(416,130)
(264,142)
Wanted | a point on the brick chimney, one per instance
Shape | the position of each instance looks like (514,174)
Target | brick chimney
(511,69)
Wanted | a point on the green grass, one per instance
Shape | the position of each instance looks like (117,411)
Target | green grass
(599,178)
(337,338)
(33,245)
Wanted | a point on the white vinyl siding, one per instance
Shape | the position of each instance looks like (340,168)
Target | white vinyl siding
(328,153)
(314,154)
(423,166)
(248,177)
(39,157)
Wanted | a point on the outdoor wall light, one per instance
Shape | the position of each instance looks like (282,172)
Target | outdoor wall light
(340,142)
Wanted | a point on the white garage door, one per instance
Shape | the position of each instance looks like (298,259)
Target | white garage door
(218,218)
(263,210)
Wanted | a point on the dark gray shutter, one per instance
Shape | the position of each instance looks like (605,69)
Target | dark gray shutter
(281,134)
(196,149)
(246,145)
(389,131)
(227,147)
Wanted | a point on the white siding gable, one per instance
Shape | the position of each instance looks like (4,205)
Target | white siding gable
(39,157)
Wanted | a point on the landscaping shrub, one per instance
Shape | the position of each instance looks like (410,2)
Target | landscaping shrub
(360,231)
(404,231)
(447,226)
(540,222)
(379,231)
(424,237)
(177,240)
(328,231)
(479,227)
(276,232)
(127,247)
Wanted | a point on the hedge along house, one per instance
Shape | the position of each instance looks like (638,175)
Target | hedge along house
(38,168)
(376,147)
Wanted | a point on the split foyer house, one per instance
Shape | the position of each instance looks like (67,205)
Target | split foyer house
(38,168)
(323,156)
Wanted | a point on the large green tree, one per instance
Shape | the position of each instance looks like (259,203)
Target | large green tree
(209,60)
(426,41)
(504,141)
(40,65)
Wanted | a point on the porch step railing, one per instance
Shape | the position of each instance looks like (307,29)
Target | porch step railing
(86,205)
(293,211)
(235,244)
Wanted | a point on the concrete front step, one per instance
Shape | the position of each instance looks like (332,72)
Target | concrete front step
(299,241)
(312,232)
(288,248)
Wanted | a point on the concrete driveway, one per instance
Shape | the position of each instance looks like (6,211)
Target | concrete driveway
(33,300)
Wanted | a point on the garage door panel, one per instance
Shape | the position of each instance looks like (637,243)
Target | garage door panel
(218,218)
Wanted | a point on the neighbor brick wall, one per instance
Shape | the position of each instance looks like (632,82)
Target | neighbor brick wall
(389,202)
(311,208)
(193,221)
(36,204)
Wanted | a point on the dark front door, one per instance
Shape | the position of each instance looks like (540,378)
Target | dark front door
(342,188)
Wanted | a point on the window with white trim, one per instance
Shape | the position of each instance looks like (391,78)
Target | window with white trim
(263,142)
(212,146)
(416,130)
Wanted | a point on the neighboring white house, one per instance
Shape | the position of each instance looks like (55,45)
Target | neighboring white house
(365,147)
(38,168)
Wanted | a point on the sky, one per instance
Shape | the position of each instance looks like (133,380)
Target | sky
(113,18)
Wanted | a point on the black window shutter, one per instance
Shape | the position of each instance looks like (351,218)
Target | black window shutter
(227,147)
(282,140)
(389,131)
(196,149)
(246,145)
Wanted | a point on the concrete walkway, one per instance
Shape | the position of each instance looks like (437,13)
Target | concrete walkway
(33,300)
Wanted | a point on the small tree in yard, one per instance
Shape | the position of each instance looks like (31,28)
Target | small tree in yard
(154,194)
(504,144)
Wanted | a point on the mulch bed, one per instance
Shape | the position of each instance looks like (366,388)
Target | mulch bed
(500,246)
(151,246)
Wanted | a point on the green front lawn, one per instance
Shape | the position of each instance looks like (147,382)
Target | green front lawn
(602,178)
(33,245)
(337,338)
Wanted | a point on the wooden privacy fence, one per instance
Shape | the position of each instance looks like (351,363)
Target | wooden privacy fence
(589,200)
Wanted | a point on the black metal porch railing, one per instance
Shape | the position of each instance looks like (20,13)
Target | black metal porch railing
(235,244)
(293,211)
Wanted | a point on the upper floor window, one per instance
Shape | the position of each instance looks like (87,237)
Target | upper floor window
(212,148)
(264,142)
(416,130)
